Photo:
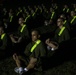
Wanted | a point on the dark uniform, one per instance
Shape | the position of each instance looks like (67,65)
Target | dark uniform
(66,24)
(3,42)
(5,45)
(72,21)
(39,52)
(24,34)
(63,37)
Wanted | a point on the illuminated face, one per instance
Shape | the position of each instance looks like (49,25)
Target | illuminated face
(62,16)
(72,13)
(59,22)
(21,21)
(35,35)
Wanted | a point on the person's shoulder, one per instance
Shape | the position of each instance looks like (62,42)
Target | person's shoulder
(57,30)
(66,30)
(42,43)
(30,43)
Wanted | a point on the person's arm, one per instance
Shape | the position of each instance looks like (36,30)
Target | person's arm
(19,39)
(52,44)
(13,39)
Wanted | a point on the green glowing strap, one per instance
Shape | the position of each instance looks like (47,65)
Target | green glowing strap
(61,31)
(73,19)
(35,45)
(22,28)
(2,36)
(52,15)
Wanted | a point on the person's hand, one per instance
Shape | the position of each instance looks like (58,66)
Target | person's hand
(47,41)
(15,57)
(19,39)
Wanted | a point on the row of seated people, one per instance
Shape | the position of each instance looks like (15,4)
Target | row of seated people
(34,16)
(36,51)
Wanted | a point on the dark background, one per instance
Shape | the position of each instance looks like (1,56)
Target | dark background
(15,3)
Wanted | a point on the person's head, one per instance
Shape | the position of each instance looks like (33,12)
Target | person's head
(72,13)
(51,10)
(74,5)
(21,20)
(10,14)
(63,16)
(4,9)
(32,11)
(60,22)
(1,30)
(35,35)
(19,8)
(65,6)
(11,10)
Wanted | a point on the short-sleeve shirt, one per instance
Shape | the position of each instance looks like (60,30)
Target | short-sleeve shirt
(63,37)
(39,51)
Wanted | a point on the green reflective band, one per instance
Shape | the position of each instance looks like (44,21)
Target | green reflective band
(18,13)
(11,18)
(20,10)
(2,36)
(27,18)
(61,31)
(56,7)
(64,9)
(35,45)
(22,28)
(73,19)
(68,10)
(33,14)
(36,9)
(64,22)
(75,9)
(52,15)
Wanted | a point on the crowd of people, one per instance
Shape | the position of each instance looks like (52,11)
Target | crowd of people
(20,36)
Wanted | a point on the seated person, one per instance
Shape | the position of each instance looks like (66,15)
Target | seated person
(35,52)
(61,35)
(5,42)
(21,38)
(22,33)
(66,23)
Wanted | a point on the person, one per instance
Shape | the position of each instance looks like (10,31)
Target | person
(61,35)
(22,32)
(20,38)
(5,43)
(35,53)
(66,23)
(72,21)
